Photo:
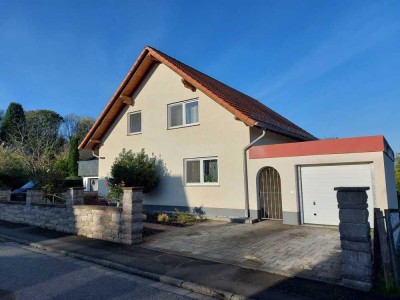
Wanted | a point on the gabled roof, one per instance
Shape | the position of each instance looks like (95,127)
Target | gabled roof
(245,108)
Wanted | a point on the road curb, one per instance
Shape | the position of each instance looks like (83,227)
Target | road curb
(188,285)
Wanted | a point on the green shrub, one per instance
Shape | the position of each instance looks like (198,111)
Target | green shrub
(183,217)
(115,191)
(135,170)
(73,157)
(13,172)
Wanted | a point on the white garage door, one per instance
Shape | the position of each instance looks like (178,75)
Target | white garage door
(318,196)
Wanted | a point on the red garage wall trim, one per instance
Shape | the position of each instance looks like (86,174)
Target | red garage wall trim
(334,146)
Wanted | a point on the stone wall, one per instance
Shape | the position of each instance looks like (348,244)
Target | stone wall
(355,237)
(5,195)
(121,225)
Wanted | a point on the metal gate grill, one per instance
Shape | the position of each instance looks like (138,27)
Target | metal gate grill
(270,194)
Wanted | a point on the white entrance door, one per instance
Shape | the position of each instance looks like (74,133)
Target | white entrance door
(318,197)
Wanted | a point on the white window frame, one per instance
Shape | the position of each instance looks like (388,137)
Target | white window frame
(129,122)
(201,183)
(183,103)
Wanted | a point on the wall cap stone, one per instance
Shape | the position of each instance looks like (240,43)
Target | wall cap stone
(13,202)
(98,207)
(48,205)
(139,188)
(351,189)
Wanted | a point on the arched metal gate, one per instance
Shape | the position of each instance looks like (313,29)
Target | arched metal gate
(270,194)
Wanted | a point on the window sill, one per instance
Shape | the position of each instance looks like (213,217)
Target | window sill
(182,126)
(134,133)
(201,184)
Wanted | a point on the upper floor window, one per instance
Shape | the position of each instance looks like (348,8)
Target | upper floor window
(183,113)
(135,122)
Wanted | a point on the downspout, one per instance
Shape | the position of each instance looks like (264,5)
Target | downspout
(95,155)
(245,175)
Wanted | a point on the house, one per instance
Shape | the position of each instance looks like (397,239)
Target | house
(88,169)
(215,144)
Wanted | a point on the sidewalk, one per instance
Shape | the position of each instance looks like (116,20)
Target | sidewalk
(202,276)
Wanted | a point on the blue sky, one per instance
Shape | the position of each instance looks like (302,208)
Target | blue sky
(332,67)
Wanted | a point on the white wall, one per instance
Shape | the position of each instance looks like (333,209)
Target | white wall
(269,138)
(218,134)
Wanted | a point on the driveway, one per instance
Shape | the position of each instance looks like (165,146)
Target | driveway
(305,251)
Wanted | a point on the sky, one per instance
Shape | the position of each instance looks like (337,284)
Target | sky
(332,67)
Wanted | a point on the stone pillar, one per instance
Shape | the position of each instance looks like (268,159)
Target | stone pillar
(132,202)
(33,196)
(74,196)
(355,237)
(5,195)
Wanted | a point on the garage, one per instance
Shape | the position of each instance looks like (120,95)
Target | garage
(309,171)
(318,198)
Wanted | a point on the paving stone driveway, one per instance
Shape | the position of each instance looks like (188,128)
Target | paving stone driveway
(310,252)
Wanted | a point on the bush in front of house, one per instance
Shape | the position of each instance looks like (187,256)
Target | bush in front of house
(183,217)
(115,191)
(136,170)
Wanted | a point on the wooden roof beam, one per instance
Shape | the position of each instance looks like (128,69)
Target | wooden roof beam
(188,85)
(126,100)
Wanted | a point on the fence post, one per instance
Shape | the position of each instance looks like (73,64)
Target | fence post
(377,261)
(5,195)
(74,196)
(33,196)
(392,252)
(387,267)
(355,237)
(132,202)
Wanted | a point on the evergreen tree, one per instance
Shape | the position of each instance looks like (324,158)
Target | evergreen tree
(73,157)
(14,118)
(397,173)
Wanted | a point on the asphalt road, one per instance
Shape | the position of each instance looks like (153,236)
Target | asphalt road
(27,273)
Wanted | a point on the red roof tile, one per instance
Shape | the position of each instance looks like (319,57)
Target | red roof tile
(249,106)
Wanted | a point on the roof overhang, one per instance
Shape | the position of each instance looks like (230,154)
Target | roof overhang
(121,98)
(322,147)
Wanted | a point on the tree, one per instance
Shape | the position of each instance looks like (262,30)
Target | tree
(1,116)
(69,126)
(135,170)
(77,126)
(37,140)
(397,172)
(73,157)
(14,119)
(1,119)
(13,173)
(85,123)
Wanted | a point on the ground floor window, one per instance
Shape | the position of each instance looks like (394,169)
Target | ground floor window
(200,171)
